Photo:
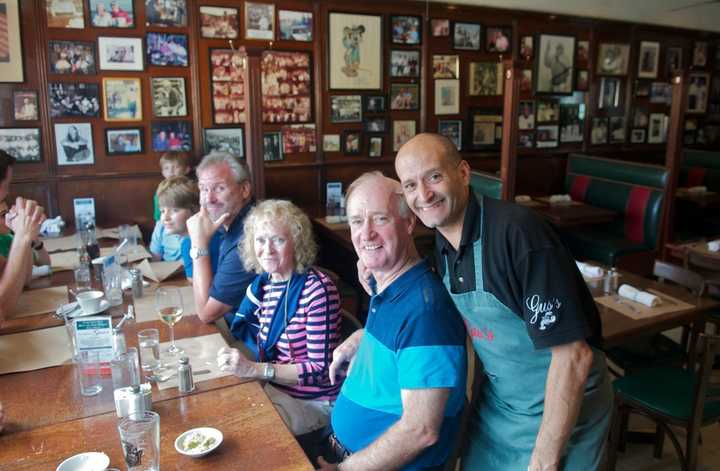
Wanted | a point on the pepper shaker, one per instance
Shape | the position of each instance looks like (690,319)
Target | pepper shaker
(185,377)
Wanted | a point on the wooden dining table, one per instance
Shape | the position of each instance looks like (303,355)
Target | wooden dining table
(573,213)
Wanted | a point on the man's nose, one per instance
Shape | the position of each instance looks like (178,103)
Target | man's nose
(425,192)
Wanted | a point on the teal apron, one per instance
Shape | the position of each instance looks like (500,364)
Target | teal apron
(507,413)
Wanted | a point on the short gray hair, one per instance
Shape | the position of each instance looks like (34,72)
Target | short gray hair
(238,167)
(402,207)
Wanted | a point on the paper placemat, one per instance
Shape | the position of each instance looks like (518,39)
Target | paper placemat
(63,261)
(145,306)
(58,244)
(114,232)
(635,310)
(202,352)
(33,350)
(158,271)
(138,253)
(40,301)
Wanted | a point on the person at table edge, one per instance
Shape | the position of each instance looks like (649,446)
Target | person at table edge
(401,402)
(225,199)
(546,401)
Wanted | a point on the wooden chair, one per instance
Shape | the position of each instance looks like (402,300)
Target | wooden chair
(349,325)
(687,398)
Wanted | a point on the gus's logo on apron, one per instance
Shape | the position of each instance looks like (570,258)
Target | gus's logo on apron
(545,312)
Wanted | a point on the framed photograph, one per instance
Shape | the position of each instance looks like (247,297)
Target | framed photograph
(661,93)
(167,49)
(547,112)
(299,138)
(657,129)
(374,104)
(440,27)
(637,136)
(466,36)
(485,128)
(554,64)
(65,13)
(71,57)
(113,14)
(168,96)
(613,59)
(295,25)
(546,136)
(124,141)
(345,108)
(171,136)
(355,51)
(73,99)
(403,131)
(123,99)
(25,105)
(526,48)
(485,79)
(617,130)
(689,137)
(331,143)
(272,146)
(642,88)
(228,86)
(648,59)
(404,63)
(697,92)
(376,125)
(120,53)
(673,62)
(599,131)
(74,144)
(640,118)
(446,66)
(582,82)
(609,93)
(172,13)
(375,146)
(452,129)
(406,29)
(352,142)
(526,140)
(21,143)
(286,87)
(404,96)
(219,22)
(583,51)
(700,54)
(526,116)
(498,39)
(228,140)
(526,80)
(447,96)
(11,58)
(259,21)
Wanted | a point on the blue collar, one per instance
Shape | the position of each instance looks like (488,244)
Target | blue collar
(236,227)
(405,282)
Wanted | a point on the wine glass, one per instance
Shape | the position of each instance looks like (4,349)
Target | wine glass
(169,305)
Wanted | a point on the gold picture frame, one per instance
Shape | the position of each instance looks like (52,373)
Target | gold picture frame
(11,60)
(122,99)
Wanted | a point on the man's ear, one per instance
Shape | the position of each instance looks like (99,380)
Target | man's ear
(187,170)
(464,169)
(246,189)
(412,221)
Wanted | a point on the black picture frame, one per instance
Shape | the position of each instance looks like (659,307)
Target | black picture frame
(111,150)
(460,29)
(183,133)
(373,146)
(408,70)
(15,149)
(229,139)
(491,39)
(154,54)
(404,96)
(339,112)
(376,125)
(374,104)
(399,32)
(272,146)
(55,56)
(558,77)
(351,142)
(484,129)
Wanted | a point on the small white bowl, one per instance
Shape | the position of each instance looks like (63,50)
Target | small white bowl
(90,461)
(207,432)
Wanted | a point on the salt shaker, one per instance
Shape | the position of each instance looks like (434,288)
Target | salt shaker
(136,282)
(610,282)
(185,377)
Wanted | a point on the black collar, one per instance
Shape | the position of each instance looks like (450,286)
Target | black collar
(471,227)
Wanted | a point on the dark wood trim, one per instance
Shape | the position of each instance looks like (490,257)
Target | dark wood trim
(512,72)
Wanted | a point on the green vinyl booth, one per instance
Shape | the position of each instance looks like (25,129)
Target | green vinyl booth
(486,184)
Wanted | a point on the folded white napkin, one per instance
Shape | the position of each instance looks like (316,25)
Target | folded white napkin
(53,226)
(697,189)
(522,199)
(642,297)
(590,271)
(714,245)
(39,271)
(560,199)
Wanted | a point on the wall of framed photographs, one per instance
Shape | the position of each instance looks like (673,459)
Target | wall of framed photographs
(101,91)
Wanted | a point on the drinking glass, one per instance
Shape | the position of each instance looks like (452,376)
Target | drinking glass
(140,439)
(125,370)
(89,370)
(169,306)
(149,343)
(82,279)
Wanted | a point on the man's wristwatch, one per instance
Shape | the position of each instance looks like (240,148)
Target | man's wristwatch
(269,372)
(197,252)
(37,245)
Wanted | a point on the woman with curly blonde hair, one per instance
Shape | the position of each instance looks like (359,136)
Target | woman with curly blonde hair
(289,319)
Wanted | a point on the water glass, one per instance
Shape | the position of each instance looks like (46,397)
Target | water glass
(140,439)
(112,283)
(82,279)
(70,329)
(88,366)
(149,343)
(125,369)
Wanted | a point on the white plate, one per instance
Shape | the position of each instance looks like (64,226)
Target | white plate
(90,461)
(104,305)
(205,431)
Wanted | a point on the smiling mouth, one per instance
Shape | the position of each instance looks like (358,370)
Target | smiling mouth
(429,206)
(371,248)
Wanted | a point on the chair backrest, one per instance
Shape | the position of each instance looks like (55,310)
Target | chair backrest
(707,388)
(681,276)
(349,325)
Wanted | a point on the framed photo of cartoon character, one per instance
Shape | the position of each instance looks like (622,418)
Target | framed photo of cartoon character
(355,51)
(554,64)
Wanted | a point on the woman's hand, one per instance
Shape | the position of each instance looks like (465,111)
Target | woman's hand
(231,360)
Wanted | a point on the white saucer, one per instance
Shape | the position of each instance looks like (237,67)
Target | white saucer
(104,305)
(90,461)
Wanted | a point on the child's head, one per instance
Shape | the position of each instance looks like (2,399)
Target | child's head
(178,198)
(174,164)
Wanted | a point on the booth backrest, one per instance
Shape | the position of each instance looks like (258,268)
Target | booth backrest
(486,184)
(700,167)
(635,191)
